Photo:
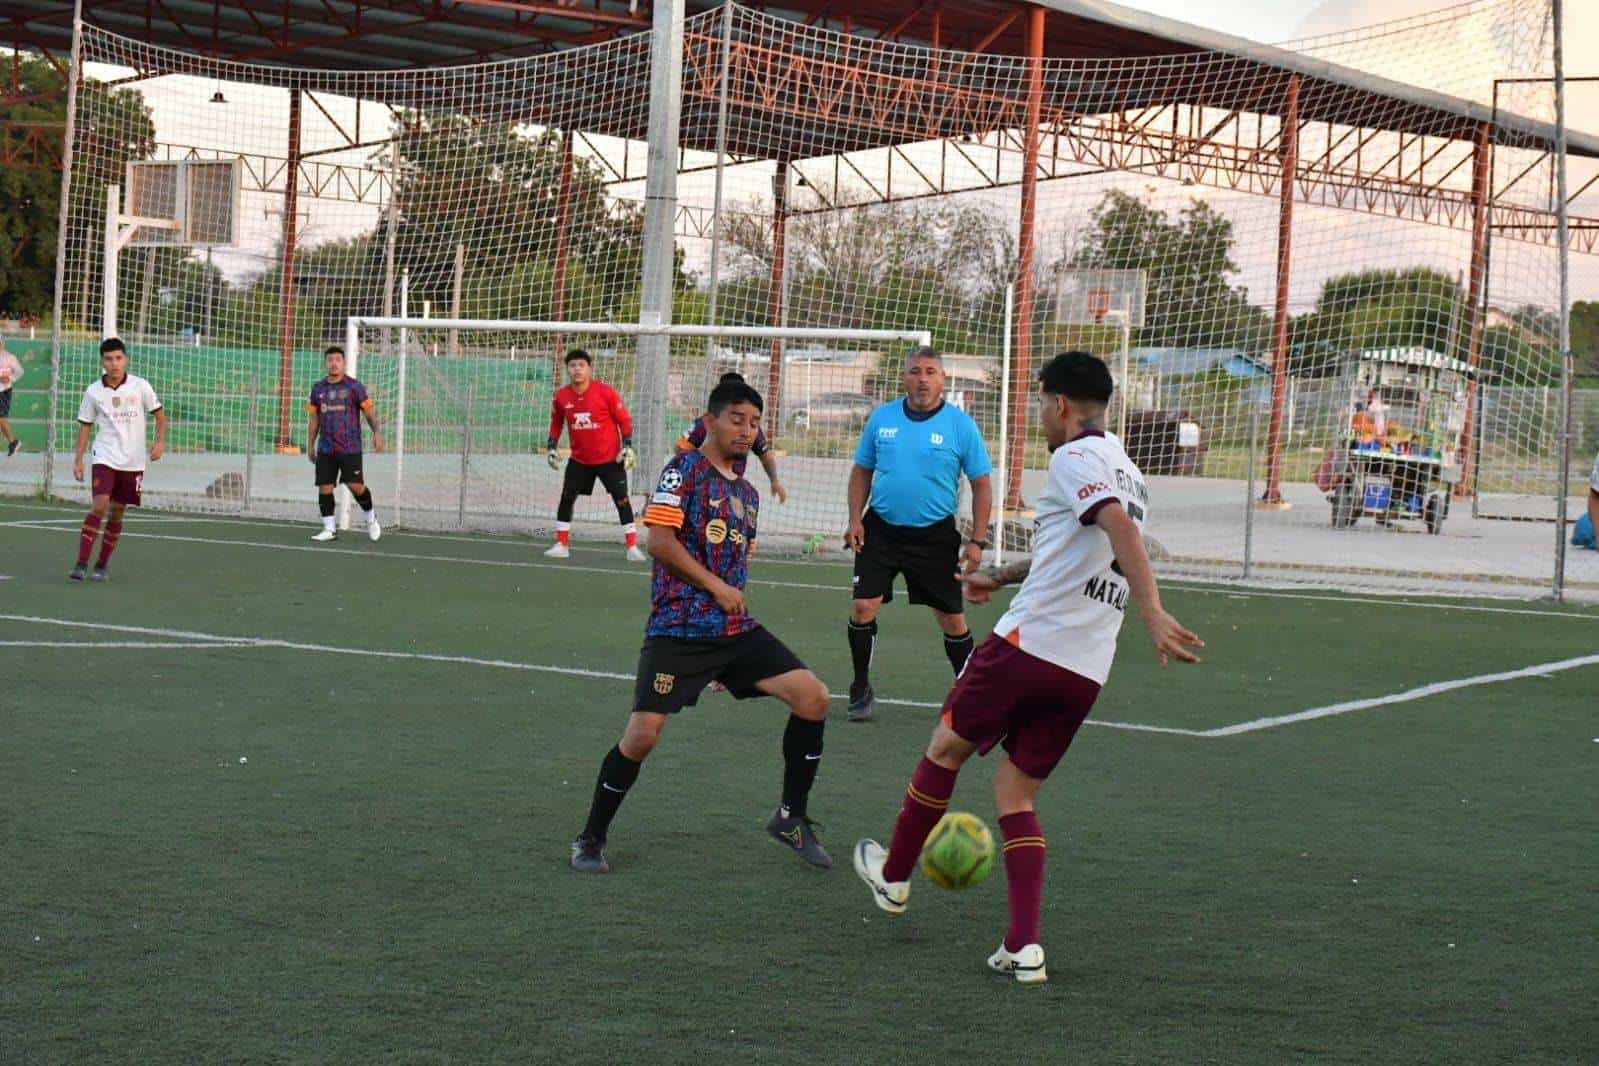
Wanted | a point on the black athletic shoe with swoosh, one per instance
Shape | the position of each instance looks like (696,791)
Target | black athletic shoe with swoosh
(799,834)
(588,855)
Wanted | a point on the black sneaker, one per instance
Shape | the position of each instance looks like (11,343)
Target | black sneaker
(798,833)
(98,574)
(78,571)
(588,855)
(11,449)
(862,702)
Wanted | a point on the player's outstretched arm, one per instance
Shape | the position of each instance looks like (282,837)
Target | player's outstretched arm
(979,585)
(666,549)
(159,448)
(1169,636)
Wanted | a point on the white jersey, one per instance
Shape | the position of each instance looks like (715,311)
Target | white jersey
(10,371)
(1070,609)
(118,418)
(1593,479)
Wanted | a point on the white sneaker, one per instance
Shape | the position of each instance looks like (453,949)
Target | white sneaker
(891,896)
(373,530)
(558,551)
(1027,964)
(327,534)
(635,554)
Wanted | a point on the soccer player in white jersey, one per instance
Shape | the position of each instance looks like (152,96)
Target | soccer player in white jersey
(115,407)
(1033,682)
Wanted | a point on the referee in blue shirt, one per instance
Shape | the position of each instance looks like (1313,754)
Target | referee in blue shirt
(903,490)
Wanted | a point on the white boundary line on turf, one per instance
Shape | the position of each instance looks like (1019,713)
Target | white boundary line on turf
(218,640)
(99,644)
(1421,692)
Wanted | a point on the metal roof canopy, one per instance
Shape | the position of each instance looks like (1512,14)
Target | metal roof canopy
(389,35)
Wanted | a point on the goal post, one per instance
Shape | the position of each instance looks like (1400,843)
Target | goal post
(471,453)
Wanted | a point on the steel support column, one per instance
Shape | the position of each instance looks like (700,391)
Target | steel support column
(291,214)
(774,300)
(1481,172)
(563,228)
(1285,240)
(1021,393)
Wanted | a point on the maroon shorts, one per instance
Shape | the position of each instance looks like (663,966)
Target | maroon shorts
(123,486)
(1034,708)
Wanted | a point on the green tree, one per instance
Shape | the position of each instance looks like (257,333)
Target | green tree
(1190,300)
(114,126)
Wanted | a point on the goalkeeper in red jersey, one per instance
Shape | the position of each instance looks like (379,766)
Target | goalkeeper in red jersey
(601,432)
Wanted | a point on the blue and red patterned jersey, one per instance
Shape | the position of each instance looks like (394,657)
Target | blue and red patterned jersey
(694,435)
(714,518)
(338,407)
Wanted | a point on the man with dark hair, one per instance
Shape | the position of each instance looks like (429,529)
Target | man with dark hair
(333,442)
(694,436)
(10,374)
(908,467)
(1033,682)
(601,432)
(115,407)
(702,524)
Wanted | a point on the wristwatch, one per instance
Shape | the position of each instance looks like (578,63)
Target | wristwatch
(982,544)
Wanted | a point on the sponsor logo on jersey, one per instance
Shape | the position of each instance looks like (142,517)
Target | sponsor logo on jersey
(888,433)
(715,531)
(1092,489)
(936,438)
(672,479)
(664,682)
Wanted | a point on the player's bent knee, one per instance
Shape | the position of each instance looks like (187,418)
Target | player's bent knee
(1014,790)
(355,487)
(812,701)
(948,748)
(643,732)
(862,612)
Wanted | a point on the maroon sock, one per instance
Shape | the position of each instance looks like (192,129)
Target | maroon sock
(1024,876)
(926,797)
(91,530)
(108,543)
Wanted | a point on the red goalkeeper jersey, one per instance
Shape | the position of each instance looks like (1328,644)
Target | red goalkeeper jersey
(596,420)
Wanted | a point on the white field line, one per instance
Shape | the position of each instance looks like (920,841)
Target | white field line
(218,640)
(99,644)
(1421,692)
(49,525)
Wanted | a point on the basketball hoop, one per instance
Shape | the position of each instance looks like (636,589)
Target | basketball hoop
(1098,304)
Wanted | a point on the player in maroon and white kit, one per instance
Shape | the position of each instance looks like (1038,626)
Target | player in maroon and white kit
(114,407)
(601,432)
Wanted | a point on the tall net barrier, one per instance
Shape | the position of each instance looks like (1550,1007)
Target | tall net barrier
(1326,276)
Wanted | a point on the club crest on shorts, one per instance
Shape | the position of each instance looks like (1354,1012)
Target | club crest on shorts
(664,683)
(715,531)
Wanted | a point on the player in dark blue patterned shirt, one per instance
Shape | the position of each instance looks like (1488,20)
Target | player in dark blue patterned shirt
(333,442)
(702,520)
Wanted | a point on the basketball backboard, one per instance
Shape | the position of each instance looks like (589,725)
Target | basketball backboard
(1100,297)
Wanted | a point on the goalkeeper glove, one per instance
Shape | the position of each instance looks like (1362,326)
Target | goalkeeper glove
(629,457)
(553,456)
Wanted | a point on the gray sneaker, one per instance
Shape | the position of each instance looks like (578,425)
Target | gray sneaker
(588,855)
(862,702)
(98,574)
(78,571)
(797,832)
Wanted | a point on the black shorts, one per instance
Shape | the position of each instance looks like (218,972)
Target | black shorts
(928,556)
(580,478)
(344,466)
(5,403)
(673,671)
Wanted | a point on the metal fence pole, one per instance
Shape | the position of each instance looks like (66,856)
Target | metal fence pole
(466,454)
(1561,214)
(1249,490)
(249,449)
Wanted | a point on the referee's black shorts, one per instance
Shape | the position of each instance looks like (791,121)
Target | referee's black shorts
(580,477)
(928,556)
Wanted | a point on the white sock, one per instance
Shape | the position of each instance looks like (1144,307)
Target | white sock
(327,523)
(372,516)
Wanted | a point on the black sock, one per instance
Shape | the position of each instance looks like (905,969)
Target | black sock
(862,641)
(365,499)
(624,512)
(958,650)
(802,757)
(617,774)
(324,504)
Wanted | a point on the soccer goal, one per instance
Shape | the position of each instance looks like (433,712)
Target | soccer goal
(466,407)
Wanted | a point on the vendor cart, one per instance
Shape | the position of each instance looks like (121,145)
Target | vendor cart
(1398,456)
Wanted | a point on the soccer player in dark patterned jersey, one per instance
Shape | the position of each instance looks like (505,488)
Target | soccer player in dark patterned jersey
(333,442)
(701,520)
